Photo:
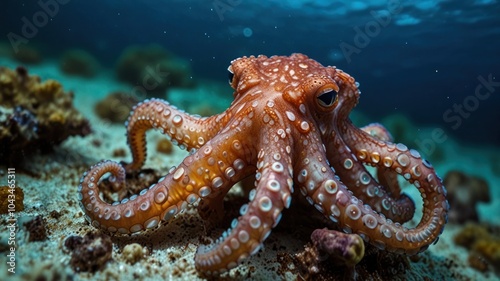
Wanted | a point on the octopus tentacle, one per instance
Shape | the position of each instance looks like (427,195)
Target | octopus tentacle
(245,237)
(378,131)
(187,131)
(205,172)
(332,198)
(386,177)
(396,206)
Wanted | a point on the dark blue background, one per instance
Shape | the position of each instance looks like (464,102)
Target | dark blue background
(419,70)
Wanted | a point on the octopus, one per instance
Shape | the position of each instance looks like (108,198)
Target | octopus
(289,127)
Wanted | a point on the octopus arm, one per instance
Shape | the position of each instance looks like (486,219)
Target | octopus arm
(247,233)
(386,177)
(384,195)
(211,170)
(331,197)
(188,131)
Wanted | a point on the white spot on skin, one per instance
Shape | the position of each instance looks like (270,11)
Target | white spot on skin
(254,222)
(178,173)
(160,197)
(353,212)
(177,120)
(290,116)
(304,126)
(302,108)
(265,204)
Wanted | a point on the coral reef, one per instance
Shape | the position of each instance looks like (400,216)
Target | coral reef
(116,107)
(5,191)
(79,62)
(483,243)
(36,229)
(464,193)
(152,69)
(90,252)
(34,114)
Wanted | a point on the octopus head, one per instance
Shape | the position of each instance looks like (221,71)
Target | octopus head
(297,80)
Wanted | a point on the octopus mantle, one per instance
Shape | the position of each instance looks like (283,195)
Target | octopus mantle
(288,125)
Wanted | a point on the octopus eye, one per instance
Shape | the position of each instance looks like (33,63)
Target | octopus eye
(230,76)
(327,97)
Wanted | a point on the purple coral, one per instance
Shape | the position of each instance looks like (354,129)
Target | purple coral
(344,248)
(341,249)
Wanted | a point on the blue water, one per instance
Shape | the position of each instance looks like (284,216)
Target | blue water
(429,60)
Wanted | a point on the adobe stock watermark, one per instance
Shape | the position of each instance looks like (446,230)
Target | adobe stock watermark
(371,29)
(223,6)
(39,19)
(12,226)
(456,115)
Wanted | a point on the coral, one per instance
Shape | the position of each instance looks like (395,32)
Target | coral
(134,252)
(90,252)
(153,69)
(36,229)
(482,242)
(347,249)
(34,114)
(79,62)
(341,249)
(116,107)
(18,193)
(464,193)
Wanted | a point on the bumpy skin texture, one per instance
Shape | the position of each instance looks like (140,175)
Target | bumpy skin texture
(288,125)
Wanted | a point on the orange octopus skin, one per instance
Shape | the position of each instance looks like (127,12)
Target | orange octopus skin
(288,125)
